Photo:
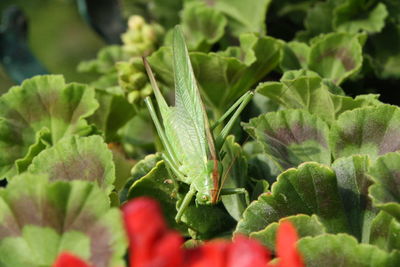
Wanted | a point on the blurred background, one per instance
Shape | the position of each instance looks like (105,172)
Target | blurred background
(57,35)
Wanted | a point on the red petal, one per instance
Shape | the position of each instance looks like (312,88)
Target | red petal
(168,251)
(210,254)
(246,252)
(66,259)
(144,224)
(286,246)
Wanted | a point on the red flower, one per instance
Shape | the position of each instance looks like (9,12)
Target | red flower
(150,241)
(212,253)
(66,259)
(246,252)
(286,246)
(152,244)
(243,252)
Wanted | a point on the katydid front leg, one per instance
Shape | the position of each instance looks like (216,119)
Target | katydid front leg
(185,203)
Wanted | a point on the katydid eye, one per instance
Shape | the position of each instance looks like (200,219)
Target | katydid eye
(204,197)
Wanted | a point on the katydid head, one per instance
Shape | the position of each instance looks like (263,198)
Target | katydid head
(203,198)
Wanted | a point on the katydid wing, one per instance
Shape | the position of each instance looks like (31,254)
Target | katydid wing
(190,150)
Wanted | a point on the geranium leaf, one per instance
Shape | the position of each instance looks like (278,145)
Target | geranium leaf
(304,224)
(336,56)
(294,56)
(77,158)
(351,16)
(353,183)
(306,90)
(343,250)
(318,20)
(309,189)
(385,191)
(383,48)
(385,231)
(114,112)
(43,103)
(243,16)
(41,219)
(291,137)
(202,25)
(158,184)
(370,130)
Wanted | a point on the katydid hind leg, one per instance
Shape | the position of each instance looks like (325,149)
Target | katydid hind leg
(225,131)
(185,203)
(234,191)
(230,110)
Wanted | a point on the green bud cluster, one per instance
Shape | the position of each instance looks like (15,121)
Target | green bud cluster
(141,38)
(133,79)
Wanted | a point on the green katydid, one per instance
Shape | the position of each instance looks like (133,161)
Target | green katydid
(190,148)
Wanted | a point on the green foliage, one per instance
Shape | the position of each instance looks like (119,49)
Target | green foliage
(40,219)
(336,250)
(38,114)
(318,145)
(77,158)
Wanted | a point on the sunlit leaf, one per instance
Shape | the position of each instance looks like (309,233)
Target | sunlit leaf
(39,113)
(202,25)
(305,226)
(291,137)
(41,219)
(370,130)
(309,189)
(77,158)
(385,191)
(336,56)
(343,250)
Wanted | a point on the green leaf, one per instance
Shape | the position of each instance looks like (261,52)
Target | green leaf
(260,165)
(383,48)
(159,185)
(385,231)
(42,103)
(336,56)
(291,137)
(306,90)
(235,176)
(353,183)
(358,15)
(261,55)
(139,170)
(243,16)
(385,191)
(294,56)
(105,61)
(370,130)
(343,250)
(113,113)
(305,226)
(40,220)
(202,25)
(318,20)
(77,158)
(309,189)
